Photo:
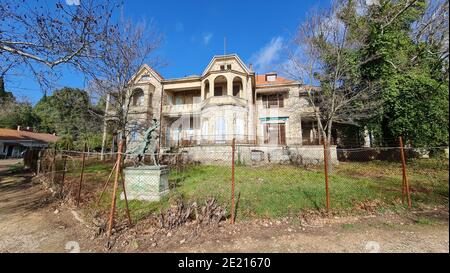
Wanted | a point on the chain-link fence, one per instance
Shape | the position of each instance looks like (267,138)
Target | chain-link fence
(266,181)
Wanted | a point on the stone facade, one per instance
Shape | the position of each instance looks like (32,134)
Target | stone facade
(227,101)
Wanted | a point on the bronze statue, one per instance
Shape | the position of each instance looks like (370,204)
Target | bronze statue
(149,143)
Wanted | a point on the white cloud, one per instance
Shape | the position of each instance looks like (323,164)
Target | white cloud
(265,59)
(207,38)
(73,2)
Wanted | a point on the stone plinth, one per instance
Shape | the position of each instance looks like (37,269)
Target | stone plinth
(146,183)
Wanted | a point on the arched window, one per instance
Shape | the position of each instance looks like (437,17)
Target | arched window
(138,97)
(237,87)
(220,86)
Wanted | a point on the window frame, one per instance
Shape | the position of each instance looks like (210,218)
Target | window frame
(270,103)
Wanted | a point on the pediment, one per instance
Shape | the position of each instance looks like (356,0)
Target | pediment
(146,74)
(218,63)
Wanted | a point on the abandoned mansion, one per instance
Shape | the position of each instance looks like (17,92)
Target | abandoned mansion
(227,101)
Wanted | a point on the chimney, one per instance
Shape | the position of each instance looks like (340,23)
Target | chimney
(271,77)
(250,67)
(18,127)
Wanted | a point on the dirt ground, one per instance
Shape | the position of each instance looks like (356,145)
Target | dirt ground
(30,221)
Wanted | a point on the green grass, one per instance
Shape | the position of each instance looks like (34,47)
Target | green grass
(425,221)
(348,226)
(280,190)
(15,168)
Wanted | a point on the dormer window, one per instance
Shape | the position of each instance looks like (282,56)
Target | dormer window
(229,67)
(271,77)
(222,67)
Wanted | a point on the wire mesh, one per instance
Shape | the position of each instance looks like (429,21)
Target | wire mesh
(269,180)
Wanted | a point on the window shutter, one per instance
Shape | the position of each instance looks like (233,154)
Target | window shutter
(264,100)
(266,135)
(280,100)
(282,132)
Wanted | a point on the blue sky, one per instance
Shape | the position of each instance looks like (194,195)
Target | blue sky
(194,32)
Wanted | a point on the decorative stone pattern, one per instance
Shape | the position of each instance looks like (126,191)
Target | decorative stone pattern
(146,183)
(247,154)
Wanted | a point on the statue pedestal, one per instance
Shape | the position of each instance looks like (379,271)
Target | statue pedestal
(146,183)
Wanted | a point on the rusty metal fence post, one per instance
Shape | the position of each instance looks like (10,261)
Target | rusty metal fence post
(405,183)
(53,166)
(64,156)
(82,174)
(233,147)
(116,182)
(325,161)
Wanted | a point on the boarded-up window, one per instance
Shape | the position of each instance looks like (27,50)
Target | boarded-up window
(275,133)
(239,128)
(221,128)
(179,100)
(273,101)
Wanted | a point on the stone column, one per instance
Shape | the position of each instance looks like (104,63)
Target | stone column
(211,88)
(202,92)
(251,125)
(230,85)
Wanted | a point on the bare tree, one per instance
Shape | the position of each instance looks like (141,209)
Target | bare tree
(432,28)
(323,59)
(39,36)
(125,51)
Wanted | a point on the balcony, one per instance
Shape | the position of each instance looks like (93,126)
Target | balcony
(224,100)
(180,109)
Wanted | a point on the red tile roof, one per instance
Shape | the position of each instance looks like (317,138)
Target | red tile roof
(10,134)
(261,80)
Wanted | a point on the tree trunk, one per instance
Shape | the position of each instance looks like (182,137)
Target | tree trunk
(102,153)
(105,127)
(327,138)
(329,159)
(2,87)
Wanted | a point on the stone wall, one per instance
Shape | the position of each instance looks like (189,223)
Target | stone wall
(253,155)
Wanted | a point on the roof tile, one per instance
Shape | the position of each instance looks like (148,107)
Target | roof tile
(10,134)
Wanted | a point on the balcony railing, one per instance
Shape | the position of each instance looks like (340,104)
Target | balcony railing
(180,109)
(224,100)
(240,139)
(209,140)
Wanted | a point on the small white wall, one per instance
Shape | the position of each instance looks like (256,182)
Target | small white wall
(221,154)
